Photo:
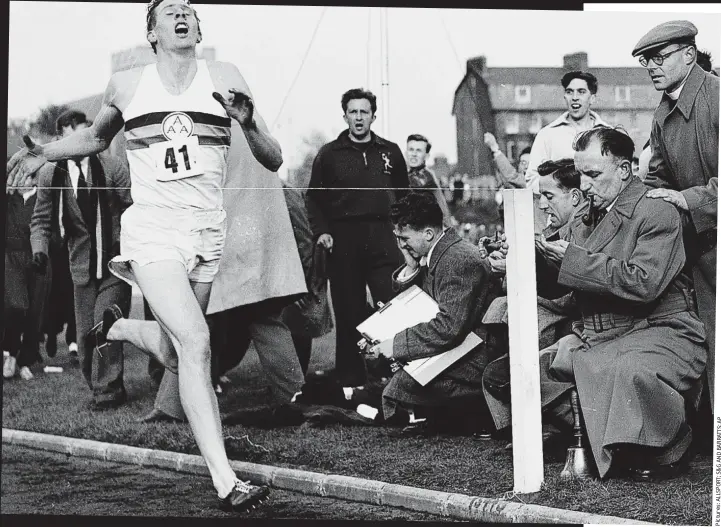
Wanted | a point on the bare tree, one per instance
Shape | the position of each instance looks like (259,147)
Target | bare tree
(44,124)
(16,129)
(299,176)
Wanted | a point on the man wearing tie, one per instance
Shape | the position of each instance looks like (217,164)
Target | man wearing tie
(85,198)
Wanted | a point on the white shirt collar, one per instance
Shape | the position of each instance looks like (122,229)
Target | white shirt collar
(608,209)
(29,194)
(428,256)
(675,94)
(564,119)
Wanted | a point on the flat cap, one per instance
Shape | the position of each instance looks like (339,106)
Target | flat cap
(663,34)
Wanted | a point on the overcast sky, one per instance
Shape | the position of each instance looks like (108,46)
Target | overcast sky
(59,51)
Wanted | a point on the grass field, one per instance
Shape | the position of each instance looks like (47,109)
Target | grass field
(58,403)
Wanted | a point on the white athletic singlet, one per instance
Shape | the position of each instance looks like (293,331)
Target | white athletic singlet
(177,145)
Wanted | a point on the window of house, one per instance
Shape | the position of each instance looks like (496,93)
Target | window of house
(623,93)
(536,123)
(513,123)
(523,94)
(511,150)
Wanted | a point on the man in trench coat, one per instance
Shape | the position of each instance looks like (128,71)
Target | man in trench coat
(684,160)
(641,347)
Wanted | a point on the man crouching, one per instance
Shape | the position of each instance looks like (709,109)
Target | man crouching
(453,273)
(642,345)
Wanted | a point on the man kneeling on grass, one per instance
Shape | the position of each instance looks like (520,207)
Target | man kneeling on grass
(453,273)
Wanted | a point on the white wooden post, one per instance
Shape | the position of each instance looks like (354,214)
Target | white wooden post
(523,341)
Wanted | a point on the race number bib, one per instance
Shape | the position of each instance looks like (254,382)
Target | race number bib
(177,159)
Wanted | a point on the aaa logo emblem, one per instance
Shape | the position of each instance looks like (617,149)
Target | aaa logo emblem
(177,125)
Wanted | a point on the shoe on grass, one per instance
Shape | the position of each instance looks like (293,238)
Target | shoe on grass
(26,374)
(10,367)
(97,336)
(244,497)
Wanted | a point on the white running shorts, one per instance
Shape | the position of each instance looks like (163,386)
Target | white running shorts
(152,234)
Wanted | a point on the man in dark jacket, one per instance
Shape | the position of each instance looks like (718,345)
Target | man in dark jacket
(27,282)
(684,159)
(87,197)
(353,183)
(417,149)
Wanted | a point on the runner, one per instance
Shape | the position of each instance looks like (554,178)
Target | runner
(173,235)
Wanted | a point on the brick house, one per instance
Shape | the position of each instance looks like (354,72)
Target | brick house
(515,103)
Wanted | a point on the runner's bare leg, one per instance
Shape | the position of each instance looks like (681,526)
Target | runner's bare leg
(147,336)
(179,309)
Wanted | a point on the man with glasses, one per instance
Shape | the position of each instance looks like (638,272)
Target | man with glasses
(684,162)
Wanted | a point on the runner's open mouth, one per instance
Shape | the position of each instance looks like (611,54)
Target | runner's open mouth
(181,28)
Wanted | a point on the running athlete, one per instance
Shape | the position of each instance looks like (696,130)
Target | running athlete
(177,126)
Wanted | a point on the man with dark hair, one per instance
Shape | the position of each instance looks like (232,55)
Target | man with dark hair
(85,197)
(417,150)
(555,140)
(703,59)
(354,181)
(641,345)
(684,154)
(453,273)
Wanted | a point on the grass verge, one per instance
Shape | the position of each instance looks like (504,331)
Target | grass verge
(58,404)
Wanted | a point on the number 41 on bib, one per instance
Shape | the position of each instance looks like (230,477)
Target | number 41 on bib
(177,159)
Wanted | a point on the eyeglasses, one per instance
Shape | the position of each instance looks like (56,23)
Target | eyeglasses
(659,58)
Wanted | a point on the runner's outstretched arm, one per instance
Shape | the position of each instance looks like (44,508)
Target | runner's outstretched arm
(23,166)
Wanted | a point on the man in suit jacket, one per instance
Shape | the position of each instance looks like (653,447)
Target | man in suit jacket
(641,348)
(453,273)
(86,198)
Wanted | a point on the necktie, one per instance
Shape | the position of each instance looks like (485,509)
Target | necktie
(600,214)
(83,196)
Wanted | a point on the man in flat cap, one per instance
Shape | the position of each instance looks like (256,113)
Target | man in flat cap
(684,163)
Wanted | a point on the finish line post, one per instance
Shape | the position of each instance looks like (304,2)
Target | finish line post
(523,341)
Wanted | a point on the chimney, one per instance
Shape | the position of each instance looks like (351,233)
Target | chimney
(476,64)
(575,61)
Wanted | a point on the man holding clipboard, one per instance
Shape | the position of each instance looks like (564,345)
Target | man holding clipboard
(452,272)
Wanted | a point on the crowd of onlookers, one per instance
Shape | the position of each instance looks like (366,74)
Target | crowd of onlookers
(625,266)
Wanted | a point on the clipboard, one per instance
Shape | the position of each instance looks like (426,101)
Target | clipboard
(410,308)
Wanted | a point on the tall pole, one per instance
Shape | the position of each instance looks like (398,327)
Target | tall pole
(385,69)
(368,50)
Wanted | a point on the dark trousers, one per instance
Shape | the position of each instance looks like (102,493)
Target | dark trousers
(364,253)
(103,370)
(25,300)
(303,348)
(230,335)
(59,309)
